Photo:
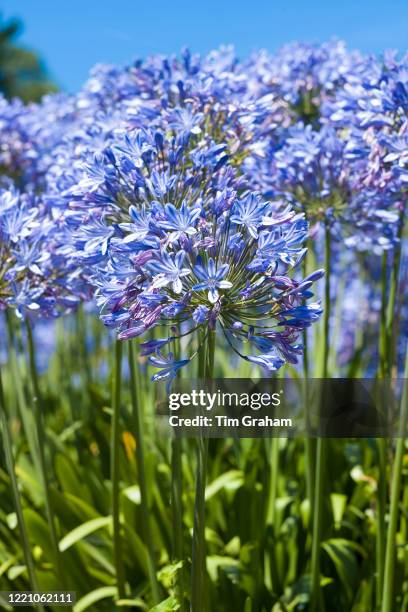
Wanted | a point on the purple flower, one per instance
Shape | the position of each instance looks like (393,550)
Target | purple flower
(167,269)
(168,367)
(212,278)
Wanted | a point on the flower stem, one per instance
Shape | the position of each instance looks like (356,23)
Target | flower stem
(19,377)
(388,591)
(309,445)
(8,451)
(115,468)
(271,512)
(321,443)
(198,569)
(383,344)
(327,302)
(390,322)
(381,443)
(140,458)
(177,505)
(39,423)
(381,511)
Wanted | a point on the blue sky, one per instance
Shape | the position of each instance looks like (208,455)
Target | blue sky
(74,35)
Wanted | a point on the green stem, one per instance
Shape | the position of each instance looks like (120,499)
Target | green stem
(381,443)
(198,569)
(177,513)
(7,442)
(381,511)
(388,591)
(83,345)
(327,303)
(394,282)
(176,488)
(177,505)
(115,469)
(273,482)
(39,422)
(383,344)
(271,513)
(317,522)
(321,443)
(309,447)
(140,458)
(25,411)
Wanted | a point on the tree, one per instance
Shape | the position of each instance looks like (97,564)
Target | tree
(22,73)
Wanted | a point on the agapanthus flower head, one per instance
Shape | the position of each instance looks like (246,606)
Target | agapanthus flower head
(227,268)
(29,134)
(329,176)
(35,276)
(372,107)
(305,75)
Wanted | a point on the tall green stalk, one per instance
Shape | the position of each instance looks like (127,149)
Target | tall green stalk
(309,445)
(327,303)
(388,591)
(383,341)
(386,363)
(394,282)
(8,451)
(115,468)
(41,441)
(177,506)
(198,569)
(384,370)
(271,512)
(141,469)
(25,412)
(321,443)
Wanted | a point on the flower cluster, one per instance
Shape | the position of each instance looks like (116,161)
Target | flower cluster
(175,239)
(321,175)
(180,192)
(34,276)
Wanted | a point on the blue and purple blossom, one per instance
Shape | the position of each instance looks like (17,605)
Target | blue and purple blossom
(201,267)
(180,190)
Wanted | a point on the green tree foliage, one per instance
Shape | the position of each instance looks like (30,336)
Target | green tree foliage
(22,72)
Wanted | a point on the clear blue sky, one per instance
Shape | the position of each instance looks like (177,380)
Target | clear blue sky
(73,35)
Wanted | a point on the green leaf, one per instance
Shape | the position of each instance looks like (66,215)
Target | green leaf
(168,574)
(133,494)
(343,555)
(131,603)
(16,571)
(231,480)
(93,596)
(69,479)
(338,503)
(248,605)
(38,531)
(216,562)
(6,565)
(84,530)
(83,510)
(168,605)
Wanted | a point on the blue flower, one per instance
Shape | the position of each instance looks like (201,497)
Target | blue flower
(160,183)
(200,314)
(169,367)
(168,270)
(212,279)
(185,122)
(249,212)
(181,220)
(139,227)
(269,361)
